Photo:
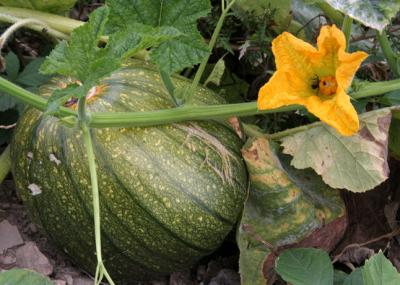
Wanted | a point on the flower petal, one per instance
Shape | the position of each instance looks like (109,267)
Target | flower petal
(294,55)
(347,67)
(281,90)
(330,41)
(337,112)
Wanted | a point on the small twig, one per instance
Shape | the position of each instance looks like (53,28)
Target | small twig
(310,21)
(388,235)
(7,127)
(350,265)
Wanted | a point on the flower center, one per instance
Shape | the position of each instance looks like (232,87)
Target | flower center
(327,85)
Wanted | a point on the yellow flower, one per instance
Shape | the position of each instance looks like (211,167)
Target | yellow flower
(316,78)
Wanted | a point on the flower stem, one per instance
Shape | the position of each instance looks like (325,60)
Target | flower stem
(376,88)
(5,163)
(59,23)
(390,55)
(346,28)
(211,45)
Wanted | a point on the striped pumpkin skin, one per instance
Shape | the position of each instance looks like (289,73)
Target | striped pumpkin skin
(169,194)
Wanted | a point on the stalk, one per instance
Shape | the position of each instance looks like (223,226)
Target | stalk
(37,25)
(376,88)
(30,98)
(100,269)
(211,45)
(169,85)
(179,114)
(390,55)
(346,28)
(59,23)
(333,14)
(5,163)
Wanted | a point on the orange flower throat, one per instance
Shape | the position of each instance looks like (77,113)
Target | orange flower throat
(326,85)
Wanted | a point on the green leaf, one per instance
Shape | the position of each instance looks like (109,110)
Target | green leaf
(79,57)
(23,276)
(217,73)
(357,163)
(355,278)
(61,96)
(30,76)
(339,277)
(177,53)
(284,206)
(379,271)
(305,266)
(126,43)
(12,66)
(7,102)
(372,13)
(390,99)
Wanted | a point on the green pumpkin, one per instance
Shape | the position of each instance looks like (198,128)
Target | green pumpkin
(169,194)
(51,6)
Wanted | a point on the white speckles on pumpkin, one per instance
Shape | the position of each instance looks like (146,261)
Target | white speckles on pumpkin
(54,159)
(35,189)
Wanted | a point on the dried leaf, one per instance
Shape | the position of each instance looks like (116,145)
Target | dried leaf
(285,207)
(357,163)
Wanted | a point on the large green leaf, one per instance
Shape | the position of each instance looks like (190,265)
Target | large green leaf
(183,51)
(355,278)
(284,207)
(357,163)
(379,271)
(305,266)
(372,13)
(22,277)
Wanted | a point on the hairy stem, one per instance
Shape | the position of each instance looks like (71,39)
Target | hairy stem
(179,114)
(211,45)
(29,98)
(59,23)
(5,163)
(390,55)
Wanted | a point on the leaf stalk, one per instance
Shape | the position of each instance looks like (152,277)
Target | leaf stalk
(390,55)
(211,45)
